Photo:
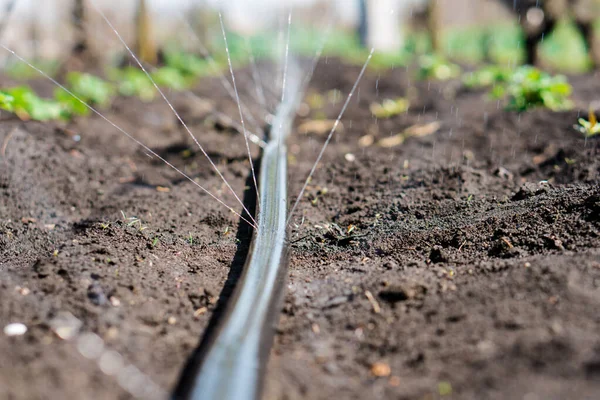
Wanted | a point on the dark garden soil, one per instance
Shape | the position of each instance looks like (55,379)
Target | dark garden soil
(463,263)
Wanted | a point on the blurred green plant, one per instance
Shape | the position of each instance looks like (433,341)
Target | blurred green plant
(6,101)
(530,87)
(389,108)
(486,76)
(89,89)
(500,44)
(133,81)
(564,49)
(171,78)
(190,65)
(432,66)
(589,127)
(71,105)
(23,102)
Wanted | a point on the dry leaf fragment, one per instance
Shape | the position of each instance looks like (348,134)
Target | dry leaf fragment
(422,130)
(319,127)
(366,141)
(391,141)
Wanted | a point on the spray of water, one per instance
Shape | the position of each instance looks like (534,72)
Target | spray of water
(114,125)
(237,98)
(187,129)
(330,135)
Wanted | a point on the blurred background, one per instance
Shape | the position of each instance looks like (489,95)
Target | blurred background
(468,31)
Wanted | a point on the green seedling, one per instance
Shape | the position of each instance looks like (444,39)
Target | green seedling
(71,105)
(589,128)
(529,87)
(436,67)
(389,108)
(133,221)
(487,76)
(28,106)
(133,82)
(171,78)
(90,88)
(190,65)
(7,101)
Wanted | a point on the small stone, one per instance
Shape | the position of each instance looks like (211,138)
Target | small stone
(15,329)
(316,329)
(172,320)
(381,369)
(350,157)
(23,291)
(366,141)
(65,325)
(114,301)
(112,333)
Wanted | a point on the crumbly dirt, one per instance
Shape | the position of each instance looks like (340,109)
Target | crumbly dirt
(463,263)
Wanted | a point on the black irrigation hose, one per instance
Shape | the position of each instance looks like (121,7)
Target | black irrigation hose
(232,366)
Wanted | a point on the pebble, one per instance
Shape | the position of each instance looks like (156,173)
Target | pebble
(114,301)
(65,325)
(15,329)
(381,369)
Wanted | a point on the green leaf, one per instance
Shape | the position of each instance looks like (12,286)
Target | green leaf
(530,87)
(27,105)
(189,64)
(90,88)
(133,82)
(388,108)
(6,101)
(170,77)
(436,67)
(71,105)
(487,76)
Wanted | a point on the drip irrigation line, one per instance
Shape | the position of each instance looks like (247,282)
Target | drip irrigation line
(231,364)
